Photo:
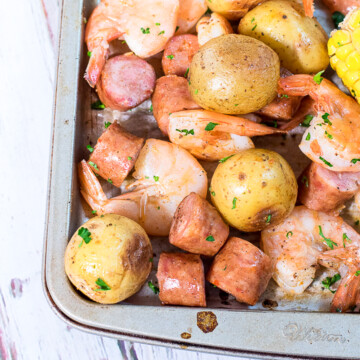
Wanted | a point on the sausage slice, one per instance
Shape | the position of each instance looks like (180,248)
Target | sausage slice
(115,154)
(125,82)
(324,190)
(171,95)
(178,54)
(181,279)
(197,227)
(241,269)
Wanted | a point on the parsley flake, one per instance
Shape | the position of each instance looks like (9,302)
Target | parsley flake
(170,56)
(326,119)
(328,241)
(289,233)
(325,162)
(145,31)
(90,148)
(94,212)
(93,165)
(305,180)
(346,238)
(97,105)
(177,28)
(268,219)
(186,132)
(225,158)
(107,124)
(337,18)
(151,108)
(210,238)
(354,161)
(186,72)
(234,203)
(161,32)
(210,126)
(307,121)
(89,53)
(357,273)
(154,288)
(254,28)
(110,181)
(129,158)
(85,234)
(318,78)
(157,24)
(308,137)
(102,284)
(156,178)
(330,281)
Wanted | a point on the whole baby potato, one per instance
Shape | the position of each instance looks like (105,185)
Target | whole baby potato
(254,189)
(232,9)
(234,74)
(300,41)
(108,258)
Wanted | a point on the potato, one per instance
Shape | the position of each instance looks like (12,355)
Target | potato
(234,74)
(300,41)
(232,9)
(254,189)
(114,264)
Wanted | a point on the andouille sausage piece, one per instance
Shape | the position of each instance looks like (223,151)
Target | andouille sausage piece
(125,82)
(181,279)
(197,227)
(171,95)
(178,54)
(115,154)
(241,269)
(324,190)
(282,107)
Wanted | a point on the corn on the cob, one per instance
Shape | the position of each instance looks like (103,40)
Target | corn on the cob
(344,52)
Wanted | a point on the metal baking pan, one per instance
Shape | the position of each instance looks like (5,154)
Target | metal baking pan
(296,328)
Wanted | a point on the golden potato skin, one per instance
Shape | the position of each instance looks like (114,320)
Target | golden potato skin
(263,184)
(234,74)
(232,9)
(119,253)
(300,41)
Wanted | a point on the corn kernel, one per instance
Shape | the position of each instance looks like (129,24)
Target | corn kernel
(354,20)
(356,39)
(355,91)
(339,38)
(353,61)
(344,51)
(351,77)
(333,61)
(341,68)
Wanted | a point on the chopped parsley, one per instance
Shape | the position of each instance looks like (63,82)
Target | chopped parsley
(289,233)
(318,78)
(234,203)
(305,180)
(154,288)
(330,281)
(196,91)
(110,181)
(210,238)
(326,119)
(186,132)
(94,212)
(328,241)
(177,28)
(103,286)
(85,234)
(170,56)
(129,158)
(308,137)
(97,105)
(89,53)
(186,72)
(157,24)
(268,219)
(210,126)
(357,273)
(225,158)
(285,96)
(90,148)
(354,161)
(357,222)
(156,178)
(346,238)
(211,192)
(151,108)
(151,260)
(254,28)
(93,165)
(252,20)
(328,135)
(325,162)
(353,93)
(225,268)
(161,32)
(337,18)
(307,121)
(107,124)
(145,31)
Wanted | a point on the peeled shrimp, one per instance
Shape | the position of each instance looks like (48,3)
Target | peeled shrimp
(164,175)
(295,245)
(190,12)
(146,26)
(333,139)
(212,136)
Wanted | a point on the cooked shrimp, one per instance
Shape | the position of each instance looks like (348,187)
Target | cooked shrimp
(343,6)
(347,261)
(212,136)
(309,7)
(190,12)
(333,139)
(295,245)
(210,27)
(164,174)
(146,26)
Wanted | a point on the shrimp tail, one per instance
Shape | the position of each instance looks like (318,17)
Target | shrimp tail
(297,85)
(309,7)
(96,63)
(90,187)
(347,293)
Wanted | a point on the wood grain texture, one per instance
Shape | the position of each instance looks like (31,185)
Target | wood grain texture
(28,327)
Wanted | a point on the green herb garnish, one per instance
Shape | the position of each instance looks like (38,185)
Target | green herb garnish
(93,165)
(225,158)
(305,180)
(210,126)
(354,161)
(337,18)
(330,281)
(161,32)
(234,203)
(186,132)
(154,288)
(145,31)
(107,124)
(90,148)
(156,178)
(186,72)
(129,158)
(346,238)
(170,57)
(328,241)
(318,78)
(325,162)
(210,238)
(308,137)
(307,121)
(110,181)
(268,219)
(289,233)
(97,105)
(102,284)
(85,234)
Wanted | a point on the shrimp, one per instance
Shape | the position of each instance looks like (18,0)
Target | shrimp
(190,11)
(295,245)
(164,175)
(343,6)
(333,139)
(212,136)
(146,26)
(309,7)
(347,261)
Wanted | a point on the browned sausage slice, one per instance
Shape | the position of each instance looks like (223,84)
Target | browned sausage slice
(115,154)
(324,190)
(171,95)
(178,54)
(241,269)
(282,107)
(126,81)
(181,279)
(197,227)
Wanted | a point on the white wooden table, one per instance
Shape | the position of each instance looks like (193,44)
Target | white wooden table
(28,328)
